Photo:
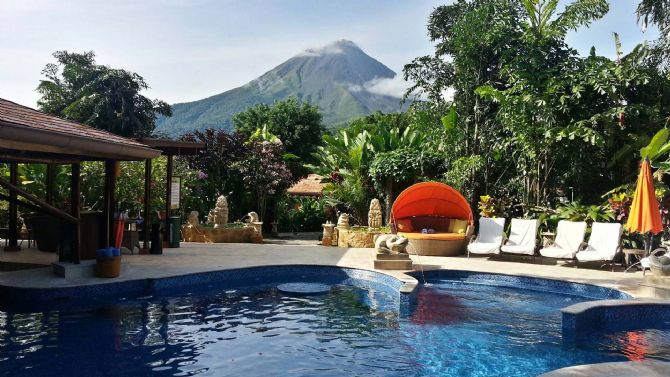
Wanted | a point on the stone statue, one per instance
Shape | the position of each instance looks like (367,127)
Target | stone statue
(219,214)
(391,244)
(375,214)
(192,219)
(252,217)
(343,221)
(191,231)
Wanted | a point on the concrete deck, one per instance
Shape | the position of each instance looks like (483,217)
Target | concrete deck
(198,257)
(620,369)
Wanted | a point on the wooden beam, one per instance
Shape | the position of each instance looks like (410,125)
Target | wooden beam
(147,202)
(110,190)
(168,197)
(75,211)
(13,232)
(51,182)
(42,204)
(11,155)
(21,203)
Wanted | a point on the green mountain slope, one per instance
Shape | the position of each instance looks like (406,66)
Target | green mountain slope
(334,77)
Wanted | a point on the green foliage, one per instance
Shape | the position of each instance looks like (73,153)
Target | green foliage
(358,158)
(531,118)
(657,12)
(405,165)
(301,214)
(488,206)
(461,171)
(574,211)
(297,125)
(78,89)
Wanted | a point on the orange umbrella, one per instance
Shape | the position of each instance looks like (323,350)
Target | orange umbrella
(644,216)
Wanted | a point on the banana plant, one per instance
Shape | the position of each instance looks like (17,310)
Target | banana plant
(658,151)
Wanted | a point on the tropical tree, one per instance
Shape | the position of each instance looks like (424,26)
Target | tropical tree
(296,124)
(78,89)
(657,12)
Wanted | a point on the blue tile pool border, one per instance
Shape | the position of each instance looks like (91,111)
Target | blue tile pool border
(581,320)
(223,279)
(525,282)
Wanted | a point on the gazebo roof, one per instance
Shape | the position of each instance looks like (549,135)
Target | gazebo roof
(310,186)
(28,134)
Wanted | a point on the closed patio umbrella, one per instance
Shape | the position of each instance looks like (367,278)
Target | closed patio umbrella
(645,217)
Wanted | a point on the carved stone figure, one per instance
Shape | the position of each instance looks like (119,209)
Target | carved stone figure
(252,217)
(328,232)
(343,221)
(391,244)
(192,218)
(191,231)
(375,214)
(219,214)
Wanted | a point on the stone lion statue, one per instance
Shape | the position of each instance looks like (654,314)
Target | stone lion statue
(252,217)
(375,214)
(391,244)
(343,221)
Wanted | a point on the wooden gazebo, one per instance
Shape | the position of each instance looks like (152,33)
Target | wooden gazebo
(30,136)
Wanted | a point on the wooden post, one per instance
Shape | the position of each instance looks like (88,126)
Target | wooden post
(51,182)
(110,189)
(75,197)
(147,203)
(168,198)
(13,232)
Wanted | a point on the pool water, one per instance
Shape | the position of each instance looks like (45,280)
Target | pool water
(455,329)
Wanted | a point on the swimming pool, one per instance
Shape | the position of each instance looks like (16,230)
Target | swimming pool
(459,325)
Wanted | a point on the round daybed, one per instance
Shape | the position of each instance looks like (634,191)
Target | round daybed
(435,218)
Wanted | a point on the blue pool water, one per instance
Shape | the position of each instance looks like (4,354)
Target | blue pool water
(455,328)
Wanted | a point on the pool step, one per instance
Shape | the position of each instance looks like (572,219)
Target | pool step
(71,271)
(390,264)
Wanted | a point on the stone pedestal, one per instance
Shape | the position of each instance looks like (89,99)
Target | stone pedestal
(274,232)
(393,262)
(328,234)
(258,225)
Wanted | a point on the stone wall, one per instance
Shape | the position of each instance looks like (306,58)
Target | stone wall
(221,235)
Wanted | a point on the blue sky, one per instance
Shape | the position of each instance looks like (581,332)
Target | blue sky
(191,49)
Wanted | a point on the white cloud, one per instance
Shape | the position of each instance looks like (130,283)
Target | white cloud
(330,49)
(394,87)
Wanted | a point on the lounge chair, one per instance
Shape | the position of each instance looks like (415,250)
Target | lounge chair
(490,237)
(569,240)
(604,243)
(522,237)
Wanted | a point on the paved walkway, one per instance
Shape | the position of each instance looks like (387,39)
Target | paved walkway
(197,257)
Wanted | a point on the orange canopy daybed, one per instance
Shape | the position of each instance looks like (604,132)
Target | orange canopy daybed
(435,218)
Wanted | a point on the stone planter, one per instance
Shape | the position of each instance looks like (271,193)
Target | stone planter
(356,237)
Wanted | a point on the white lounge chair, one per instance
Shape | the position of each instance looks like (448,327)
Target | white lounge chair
(569,239)
(490,237)
(522,237)
(604,243)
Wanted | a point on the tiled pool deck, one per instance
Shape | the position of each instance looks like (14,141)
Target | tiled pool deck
(196,257)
